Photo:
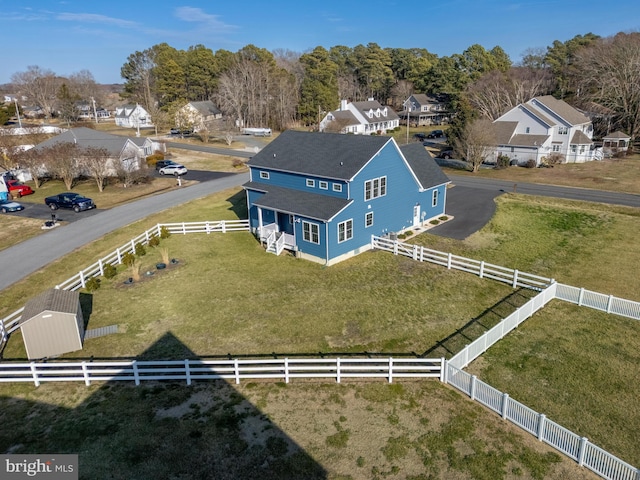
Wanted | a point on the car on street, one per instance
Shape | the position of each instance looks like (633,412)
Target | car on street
(164,163)
(435,134)
(18,189)
(420,136)
(175,131)
(70,200)
(446,154)
(6,207)
(175,169)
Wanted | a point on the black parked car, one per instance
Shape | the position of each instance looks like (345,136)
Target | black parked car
(436,134)
(420,136)
(164,163)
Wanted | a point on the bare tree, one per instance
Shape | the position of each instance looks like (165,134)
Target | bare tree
(609,75)
(63,162)
(33,161)
(39,85)
(95,163)
(401,91)
(476,143)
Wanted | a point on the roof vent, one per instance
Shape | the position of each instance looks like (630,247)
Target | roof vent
(274,155)
(341,164)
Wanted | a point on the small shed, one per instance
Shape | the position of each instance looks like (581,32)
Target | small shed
(52,324)
(616,142)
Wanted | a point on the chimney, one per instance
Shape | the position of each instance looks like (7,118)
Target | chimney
(343,104)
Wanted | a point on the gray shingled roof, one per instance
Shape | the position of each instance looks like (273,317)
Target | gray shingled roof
(527,140)
(364,107)
(87,137)
(54,300)
(329,155)
(618,134)
(347,116)
(296,202)
(562,109)
(425,168)
(579,138)
(503,131)
(537,113)
(206,108)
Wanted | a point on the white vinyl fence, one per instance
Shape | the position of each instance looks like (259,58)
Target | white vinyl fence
(233,369)
(599,301)
(512,277)
(574,446)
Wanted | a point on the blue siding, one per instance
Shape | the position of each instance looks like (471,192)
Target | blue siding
(317,250)
(298,182)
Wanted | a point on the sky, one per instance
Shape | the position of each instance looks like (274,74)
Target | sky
(72,35)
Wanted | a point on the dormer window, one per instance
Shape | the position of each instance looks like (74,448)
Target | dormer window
(563,130)
(370,114)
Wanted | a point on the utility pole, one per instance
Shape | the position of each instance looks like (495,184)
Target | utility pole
(95,113)
(15,100)
(408,118)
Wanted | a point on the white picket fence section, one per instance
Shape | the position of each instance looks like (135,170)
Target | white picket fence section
(599,301)
(236,369)
(510,276)
(480,345)
(574,446)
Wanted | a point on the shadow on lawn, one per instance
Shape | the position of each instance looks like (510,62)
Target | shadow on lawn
(476,327)
(158,430)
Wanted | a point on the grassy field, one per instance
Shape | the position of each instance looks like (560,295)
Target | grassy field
(562,361)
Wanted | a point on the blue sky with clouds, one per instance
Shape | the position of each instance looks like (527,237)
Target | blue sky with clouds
(71,35)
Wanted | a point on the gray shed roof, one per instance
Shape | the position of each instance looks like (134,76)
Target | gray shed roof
(296,202)
(63,301)
(328,155)
(618,134)
(425,168)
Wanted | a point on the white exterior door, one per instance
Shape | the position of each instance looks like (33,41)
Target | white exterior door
(416,215)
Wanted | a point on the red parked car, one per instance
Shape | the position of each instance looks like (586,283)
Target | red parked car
(17,189)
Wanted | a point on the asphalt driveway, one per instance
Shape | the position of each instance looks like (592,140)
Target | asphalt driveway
(472,208)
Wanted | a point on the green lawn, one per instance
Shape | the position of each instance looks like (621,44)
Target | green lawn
(226,295)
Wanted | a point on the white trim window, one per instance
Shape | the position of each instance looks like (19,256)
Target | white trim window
(434,198)
(264,175)
(345,230)
(555,147)
(311,232)
(368,219)
(563,130)
(337,187)
(311,183)
(374,188)
(323,185)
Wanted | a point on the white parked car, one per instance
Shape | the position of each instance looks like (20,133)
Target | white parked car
(175,169)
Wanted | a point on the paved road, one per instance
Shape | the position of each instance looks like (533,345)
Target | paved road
(31,255)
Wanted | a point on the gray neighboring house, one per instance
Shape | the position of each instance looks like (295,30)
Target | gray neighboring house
(423,109)
(198,115)
(52,324)
(126,150)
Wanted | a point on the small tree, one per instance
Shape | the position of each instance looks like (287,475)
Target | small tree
(140,250)
(63,162)
(95,163)
(477,142)
(128,259)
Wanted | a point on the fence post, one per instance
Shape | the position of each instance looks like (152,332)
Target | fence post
(443,370)
(101,267)
(395,247)
(609,303)
(187,371)
(449,261)
(136,374)
(541,423)
(207,228)
(119,256)
(505,403)
(515,279)
(184,228)
(422,254)
(481,275)
(415,253)
(133,246)
(286,370)
(390,370)
(82,278)
(237,371)
(580,297)
(34,374)
(224,227)
(338,369)
(472,393)
(146,235)
(158,228)
(581,452)
(85,374)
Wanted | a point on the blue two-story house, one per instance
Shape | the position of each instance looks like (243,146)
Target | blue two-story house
(323,195)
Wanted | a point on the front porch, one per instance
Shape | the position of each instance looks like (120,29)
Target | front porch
(275,240)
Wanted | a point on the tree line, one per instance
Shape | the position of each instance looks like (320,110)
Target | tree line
(280,89)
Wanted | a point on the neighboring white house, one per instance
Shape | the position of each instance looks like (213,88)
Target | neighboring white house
(133,116)
(545,127)
(361,118)
(127,151)
(197,115)
(425,110)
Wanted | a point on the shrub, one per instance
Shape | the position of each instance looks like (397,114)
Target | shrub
(140,250)
(444,218)
(153,159)
(531,163)
(154,241)
(502,161)
(109,271)
(128,259)
(434,222)
(555,159)
(164,233)
(92,284)
(237,163)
